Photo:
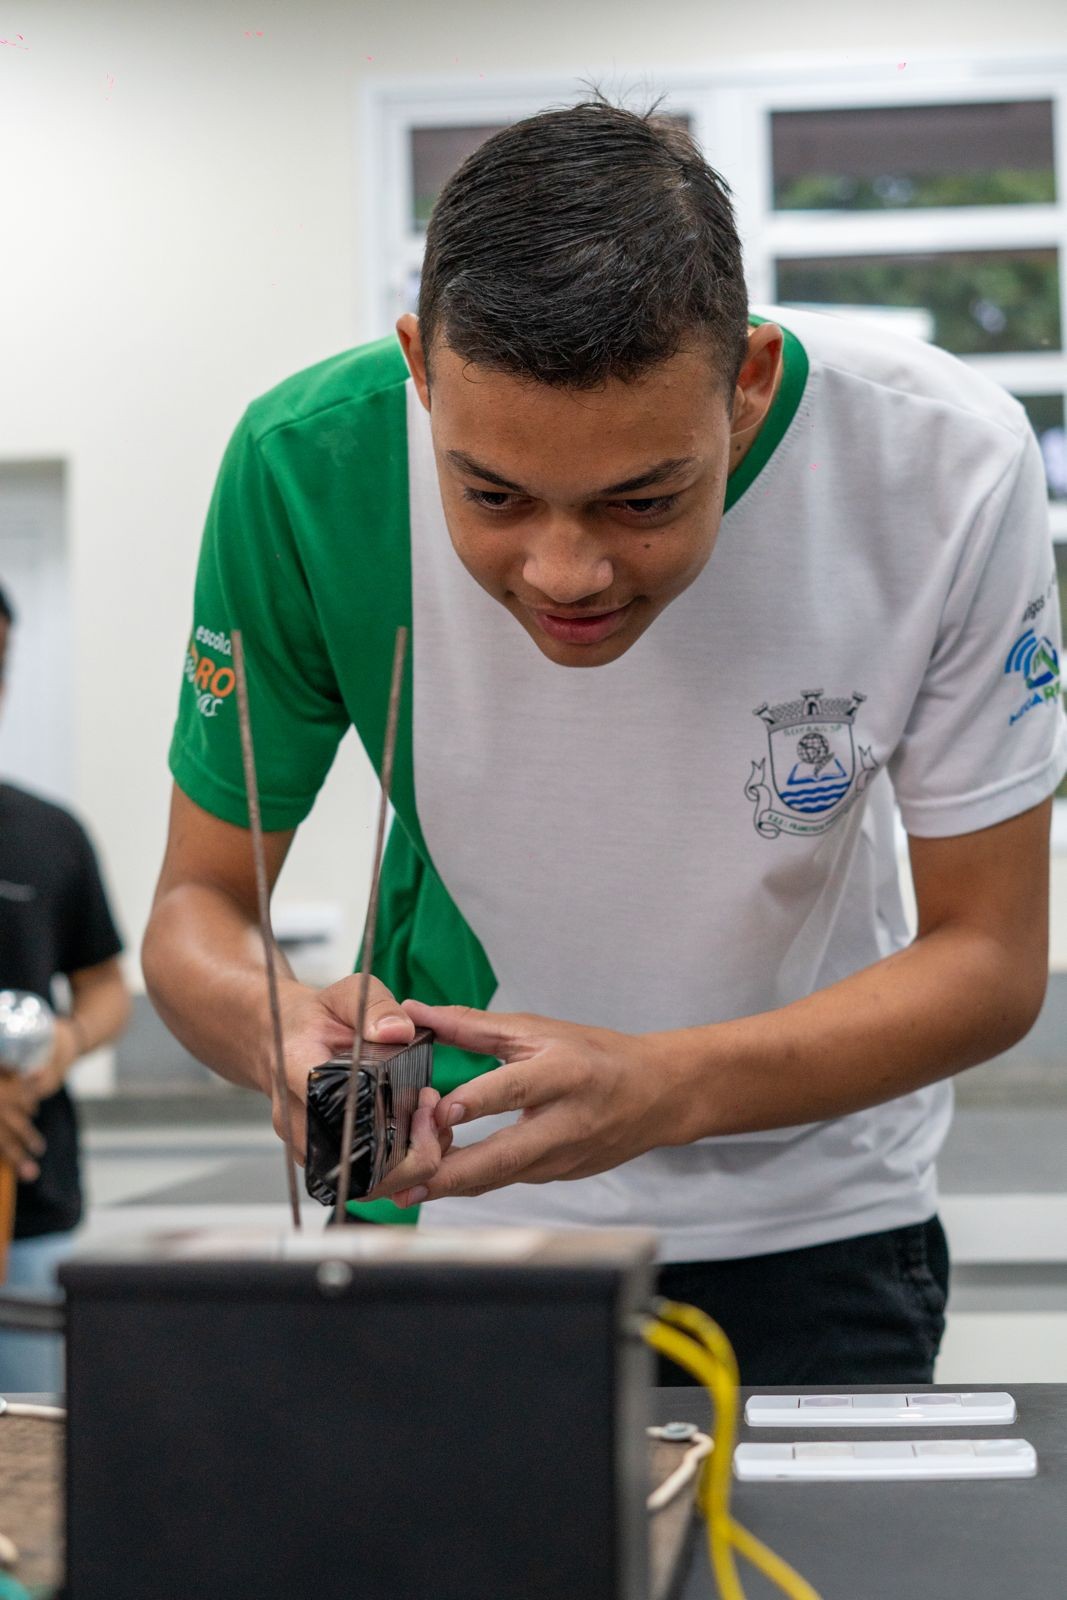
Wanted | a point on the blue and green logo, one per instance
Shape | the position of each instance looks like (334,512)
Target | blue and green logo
(1036,658)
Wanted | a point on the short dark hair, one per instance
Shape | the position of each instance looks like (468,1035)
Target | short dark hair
(582,244)
(7,610)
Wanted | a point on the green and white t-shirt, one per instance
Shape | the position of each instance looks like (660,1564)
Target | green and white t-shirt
(702,829)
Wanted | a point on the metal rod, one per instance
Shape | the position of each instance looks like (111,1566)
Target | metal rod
(248,757)
(371,924)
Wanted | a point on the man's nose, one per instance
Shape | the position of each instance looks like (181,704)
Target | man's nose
(567,564)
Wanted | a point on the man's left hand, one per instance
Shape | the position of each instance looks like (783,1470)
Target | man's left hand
(589,1099)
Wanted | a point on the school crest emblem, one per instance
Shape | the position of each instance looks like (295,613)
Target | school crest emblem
(812,762)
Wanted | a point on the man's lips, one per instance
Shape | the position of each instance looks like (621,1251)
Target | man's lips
(588,629)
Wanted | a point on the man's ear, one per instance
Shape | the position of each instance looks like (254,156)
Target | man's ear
(410,336)
(758,378)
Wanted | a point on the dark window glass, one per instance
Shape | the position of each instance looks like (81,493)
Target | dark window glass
(888,157)
(436,153)
(1046,413)
(978,301)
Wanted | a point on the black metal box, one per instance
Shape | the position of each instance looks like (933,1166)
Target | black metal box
(374,1413)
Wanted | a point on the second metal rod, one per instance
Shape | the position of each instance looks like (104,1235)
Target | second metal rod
(370,927)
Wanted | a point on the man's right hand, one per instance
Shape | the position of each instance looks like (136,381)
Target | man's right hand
(20,1142)
(203,964)
(318,1024)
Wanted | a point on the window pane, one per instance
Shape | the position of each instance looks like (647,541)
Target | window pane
(1046,413)
(436,153)
(905,156)
(977,302)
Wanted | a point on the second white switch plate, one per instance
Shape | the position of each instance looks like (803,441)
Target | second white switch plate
(885,1460)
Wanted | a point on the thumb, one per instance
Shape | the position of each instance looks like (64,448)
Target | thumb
(384,1023)
(487,1033)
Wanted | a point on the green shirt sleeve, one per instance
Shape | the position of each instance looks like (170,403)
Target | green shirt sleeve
(250,576)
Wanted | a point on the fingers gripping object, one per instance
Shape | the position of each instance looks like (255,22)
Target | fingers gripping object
(389,1078)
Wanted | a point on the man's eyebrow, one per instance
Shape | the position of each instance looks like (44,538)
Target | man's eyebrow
(668,468)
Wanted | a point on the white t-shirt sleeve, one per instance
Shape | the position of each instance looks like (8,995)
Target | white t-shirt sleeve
(986,738)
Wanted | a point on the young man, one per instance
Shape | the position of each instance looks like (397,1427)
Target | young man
(809,567)
(54,923)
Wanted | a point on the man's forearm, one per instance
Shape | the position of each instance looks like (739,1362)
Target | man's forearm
(950,1000)
(204,968)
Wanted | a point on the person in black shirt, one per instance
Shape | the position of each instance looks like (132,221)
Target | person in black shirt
(55,923)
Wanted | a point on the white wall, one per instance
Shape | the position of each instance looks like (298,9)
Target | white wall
(181,228)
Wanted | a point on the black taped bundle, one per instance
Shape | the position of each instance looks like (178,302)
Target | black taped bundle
(389,1079)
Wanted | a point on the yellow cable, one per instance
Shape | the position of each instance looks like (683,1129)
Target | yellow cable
(690,1356)
(698,1345)
(716,1366)
(700,1327)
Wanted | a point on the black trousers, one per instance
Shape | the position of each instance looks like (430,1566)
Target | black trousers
(865,1310)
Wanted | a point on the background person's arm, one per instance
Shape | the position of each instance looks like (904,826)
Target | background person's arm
(100,1010)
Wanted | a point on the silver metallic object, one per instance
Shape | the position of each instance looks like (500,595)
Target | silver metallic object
(27,1030)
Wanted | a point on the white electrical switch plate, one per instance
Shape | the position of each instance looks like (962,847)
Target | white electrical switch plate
(930,1410)
(889,1459)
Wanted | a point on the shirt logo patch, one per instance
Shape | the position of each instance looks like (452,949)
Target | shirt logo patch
(812,755)
(211,682)
(1037,659)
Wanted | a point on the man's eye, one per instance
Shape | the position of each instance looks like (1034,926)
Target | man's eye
(649,508)
(501,500)
(489,499)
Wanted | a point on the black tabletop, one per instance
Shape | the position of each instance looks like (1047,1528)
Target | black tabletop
(985,1540)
